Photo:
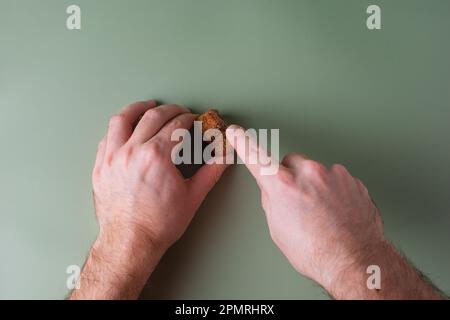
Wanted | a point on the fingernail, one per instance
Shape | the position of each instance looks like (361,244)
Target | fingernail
(232,129)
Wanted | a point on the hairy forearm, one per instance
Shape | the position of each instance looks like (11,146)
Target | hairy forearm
(399,279)
(117,267)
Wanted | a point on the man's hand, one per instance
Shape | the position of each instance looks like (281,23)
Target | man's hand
(326,224)
(142,202)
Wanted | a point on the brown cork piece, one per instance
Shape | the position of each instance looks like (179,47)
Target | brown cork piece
(211,119)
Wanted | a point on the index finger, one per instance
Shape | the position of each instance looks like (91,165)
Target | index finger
(260,164)
(121,125)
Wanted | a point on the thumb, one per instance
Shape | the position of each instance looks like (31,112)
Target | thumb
(204,180)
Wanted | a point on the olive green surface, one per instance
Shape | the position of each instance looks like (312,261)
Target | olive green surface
(376,101)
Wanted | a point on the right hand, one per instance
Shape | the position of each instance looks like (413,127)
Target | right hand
(323,220)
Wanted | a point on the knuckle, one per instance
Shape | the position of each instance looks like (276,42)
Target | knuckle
(313,169)
(154,150)
(274,236)
(176,123)
(291,156)
(153,114)
(101,145)
(127,153)
(339,168)
(109,157)
(96,172)
(117,120)
(286,178)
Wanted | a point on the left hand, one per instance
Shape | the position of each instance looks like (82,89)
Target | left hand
(135,183)
(142,202)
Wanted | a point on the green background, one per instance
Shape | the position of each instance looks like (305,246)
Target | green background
(376,101)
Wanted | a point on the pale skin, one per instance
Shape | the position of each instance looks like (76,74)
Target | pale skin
(323,220)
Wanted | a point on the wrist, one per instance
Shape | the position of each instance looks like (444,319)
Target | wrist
(128,247)
(348,279)
(119,264)
(397,278)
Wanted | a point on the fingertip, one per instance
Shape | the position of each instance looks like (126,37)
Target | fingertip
(152,103)
(232,131)
(233,127)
